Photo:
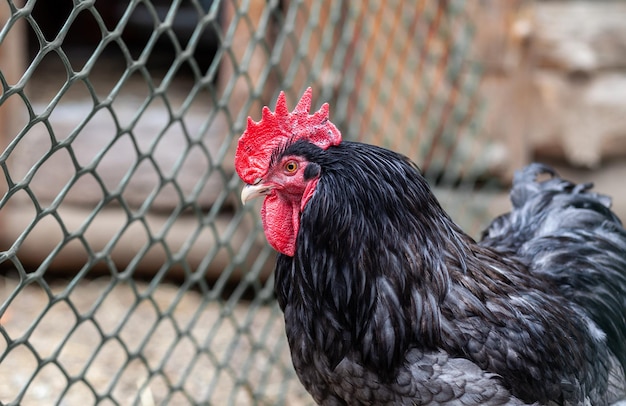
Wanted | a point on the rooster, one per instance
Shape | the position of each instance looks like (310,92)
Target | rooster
(387,301)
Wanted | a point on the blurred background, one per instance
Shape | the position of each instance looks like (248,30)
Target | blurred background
(129,271)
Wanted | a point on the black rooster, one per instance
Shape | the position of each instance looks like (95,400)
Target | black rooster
(387,301)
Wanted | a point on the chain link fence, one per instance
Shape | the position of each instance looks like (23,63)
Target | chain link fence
(131,275)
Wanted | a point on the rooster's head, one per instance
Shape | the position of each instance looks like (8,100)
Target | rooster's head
(286,180)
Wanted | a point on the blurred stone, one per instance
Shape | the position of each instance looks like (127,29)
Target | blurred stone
(580,35)
(584,123)
(557,90)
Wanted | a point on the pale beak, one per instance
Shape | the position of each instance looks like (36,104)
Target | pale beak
(250,192)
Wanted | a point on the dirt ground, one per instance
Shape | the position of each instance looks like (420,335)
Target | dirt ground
(106,343)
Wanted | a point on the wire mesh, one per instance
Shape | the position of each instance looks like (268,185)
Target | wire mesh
(132,275)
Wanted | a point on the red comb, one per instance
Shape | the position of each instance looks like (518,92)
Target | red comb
(260,139)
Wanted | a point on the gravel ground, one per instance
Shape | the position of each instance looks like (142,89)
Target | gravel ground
(109,343)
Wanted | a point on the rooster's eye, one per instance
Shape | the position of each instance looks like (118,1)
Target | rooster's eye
(291,167)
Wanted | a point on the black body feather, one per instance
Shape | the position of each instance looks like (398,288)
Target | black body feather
(387,301)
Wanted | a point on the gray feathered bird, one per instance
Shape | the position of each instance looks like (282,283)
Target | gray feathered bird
(387,301)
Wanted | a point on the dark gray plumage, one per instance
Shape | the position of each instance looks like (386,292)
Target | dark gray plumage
(387,301)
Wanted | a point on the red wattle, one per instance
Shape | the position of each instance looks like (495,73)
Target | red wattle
(281,219)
